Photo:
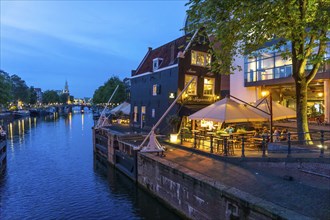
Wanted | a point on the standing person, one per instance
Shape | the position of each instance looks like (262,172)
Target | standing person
(265,133)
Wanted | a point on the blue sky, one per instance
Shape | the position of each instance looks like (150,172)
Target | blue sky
(83,42)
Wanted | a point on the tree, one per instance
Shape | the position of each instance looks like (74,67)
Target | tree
(5,88)
(103,93)
(64,97)
(33,96)
(244,26)
(173,121)
(50,96)
(19,88)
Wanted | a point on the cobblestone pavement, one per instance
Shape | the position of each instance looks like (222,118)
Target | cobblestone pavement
(301,192)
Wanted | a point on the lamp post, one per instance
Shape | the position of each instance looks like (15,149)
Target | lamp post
(271,115)
(267,94)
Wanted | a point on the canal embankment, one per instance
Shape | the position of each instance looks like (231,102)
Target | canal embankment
(200,186)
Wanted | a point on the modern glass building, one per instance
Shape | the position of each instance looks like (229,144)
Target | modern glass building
(266,69)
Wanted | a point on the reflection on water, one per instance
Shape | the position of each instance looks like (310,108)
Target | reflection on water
(52,174)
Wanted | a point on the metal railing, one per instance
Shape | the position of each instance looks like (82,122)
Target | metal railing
(284,145)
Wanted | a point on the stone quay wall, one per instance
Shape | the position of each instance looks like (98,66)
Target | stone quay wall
(196,196)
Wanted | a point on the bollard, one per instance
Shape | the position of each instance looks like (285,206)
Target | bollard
(322,144)
(181,137)
(225,146)
(289,145)
(243,155)
(264,146)
(195,140)
(211,144)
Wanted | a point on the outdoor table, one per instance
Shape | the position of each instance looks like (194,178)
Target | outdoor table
(256,141)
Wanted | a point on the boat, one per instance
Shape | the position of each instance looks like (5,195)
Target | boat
(21,114)
(3,151)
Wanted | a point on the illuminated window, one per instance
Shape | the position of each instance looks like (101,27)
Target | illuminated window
(154,90)
(153,113)
(143,113)
(208,86)
(192,88)
(200,58)
(135,113)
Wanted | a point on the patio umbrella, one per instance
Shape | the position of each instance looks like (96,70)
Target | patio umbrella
(124,107)
(279,111)
(228,111)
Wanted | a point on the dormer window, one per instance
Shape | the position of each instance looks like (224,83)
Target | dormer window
(156,63)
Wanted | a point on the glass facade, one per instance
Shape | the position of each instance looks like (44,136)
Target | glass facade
(267,64)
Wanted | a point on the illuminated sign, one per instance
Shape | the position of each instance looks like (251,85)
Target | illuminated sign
(172,95)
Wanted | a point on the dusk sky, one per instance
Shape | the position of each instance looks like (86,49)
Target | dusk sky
(83,42)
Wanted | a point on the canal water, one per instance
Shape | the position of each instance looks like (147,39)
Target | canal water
(52,174)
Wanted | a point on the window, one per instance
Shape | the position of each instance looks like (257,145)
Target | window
(208,86)
(153,113)
(155,89)
(135,114)
(143,113)
(200,58)
(192,88)
(156,63)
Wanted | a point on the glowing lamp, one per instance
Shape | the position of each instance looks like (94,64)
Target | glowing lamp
(264,93)
(173,138)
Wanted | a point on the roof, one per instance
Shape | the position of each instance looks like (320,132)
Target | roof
(168,52)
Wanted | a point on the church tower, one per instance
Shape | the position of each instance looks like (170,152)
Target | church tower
(66,91)
(66,87)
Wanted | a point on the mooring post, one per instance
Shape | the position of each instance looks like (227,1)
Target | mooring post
(264,146)
(243,155)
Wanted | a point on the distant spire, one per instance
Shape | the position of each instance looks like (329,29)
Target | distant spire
(66,87)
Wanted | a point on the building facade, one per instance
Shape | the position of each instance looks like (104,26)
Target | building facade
(268,71)
(163,74)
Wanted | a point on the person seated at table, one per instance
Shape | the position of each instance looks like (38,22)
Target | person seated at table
(257,133)
(276,135)
(284,134)
(229,129)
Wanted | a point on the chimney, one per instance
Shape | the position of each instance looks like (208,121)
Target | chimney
(149,49)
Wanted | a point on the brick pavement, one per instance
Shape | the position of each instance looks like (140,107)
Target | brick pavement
(290,188)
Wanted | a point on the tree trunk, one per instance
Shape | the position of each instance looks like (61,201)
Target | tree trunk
(301,102)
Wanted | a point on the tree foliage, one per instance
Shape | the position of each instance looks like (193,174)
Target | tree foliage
(19,88)
(103,93)
(244,26)
(5,88)
(50,96)
(64,97)
(33,98)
